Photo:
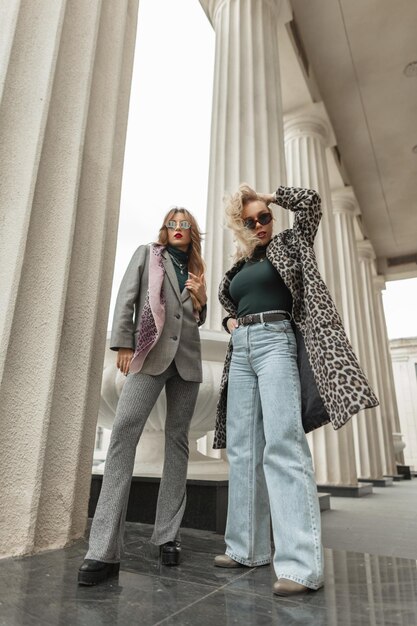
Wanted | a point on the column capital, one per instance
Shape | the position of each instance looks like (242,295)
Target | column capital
(344,201)
(213,8)
(379,282)
(365,250)
(310,121)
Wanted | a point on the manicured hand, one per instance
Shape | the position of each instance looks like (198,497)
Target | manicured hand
(231,324)
(124,358)
(197,286)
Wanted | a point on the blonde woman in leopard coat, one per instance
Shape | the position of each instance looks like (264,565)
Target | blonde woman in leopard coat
(289,369)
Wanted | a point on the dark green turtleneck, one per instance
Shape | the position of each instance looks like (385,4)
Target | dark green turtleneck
(182,260)
(258,287)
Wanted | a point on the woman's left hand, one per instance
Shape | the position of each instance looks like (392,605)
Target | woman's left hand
(197,286)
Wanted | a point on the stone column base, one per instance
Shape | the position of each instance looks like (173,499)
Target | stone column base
(396,477)
(404,470)
(378,482)
(347,491)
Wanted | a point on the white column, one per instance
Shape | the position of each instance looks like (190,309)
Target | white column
(366,264)
(404,362)
(368,454)
(63,115)
(307,133)
(246,131)
(386,363)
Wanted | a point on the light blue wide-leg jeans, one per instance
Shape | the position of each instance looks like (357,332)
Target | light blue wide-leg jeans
(271,471)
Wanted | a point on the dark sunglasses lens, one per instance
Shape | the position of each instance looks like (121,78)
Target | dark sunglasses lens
(249,223)
(265,218)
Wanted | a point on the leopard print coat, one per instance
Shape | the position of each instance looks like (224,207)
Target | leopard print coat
(333,386)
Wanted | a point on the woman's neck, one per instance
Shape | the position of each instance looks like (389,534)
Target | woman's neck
(259,252)
(178,253)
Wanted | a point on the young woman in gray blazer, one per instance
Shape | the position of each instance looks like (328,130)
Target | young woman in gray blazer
(160,305)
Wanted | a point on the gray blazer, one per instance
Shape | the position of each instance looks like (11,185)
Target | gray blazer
(180,338)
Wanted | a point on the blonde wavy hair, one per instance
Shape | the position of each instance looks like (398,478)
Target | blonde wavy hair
(196,264)
(245,239)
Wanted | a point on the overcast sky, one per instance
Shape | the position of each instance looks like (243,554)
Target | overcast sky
(168,139)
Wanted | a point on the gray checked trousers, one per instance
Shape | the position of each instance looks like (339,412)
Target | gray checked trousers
(136,401)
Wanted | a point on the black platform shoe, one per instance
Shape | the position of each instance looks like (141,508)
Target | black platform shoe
(170,553)
(94,572)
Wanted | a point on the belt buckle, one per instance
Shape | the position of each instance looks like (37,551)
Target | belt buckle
(250,320)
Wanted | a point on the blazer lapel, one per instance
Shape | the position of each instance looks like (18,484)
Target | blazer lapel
(171,275)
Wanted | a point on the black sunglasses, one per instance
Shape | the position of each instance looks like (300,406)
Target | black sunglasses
(263,219)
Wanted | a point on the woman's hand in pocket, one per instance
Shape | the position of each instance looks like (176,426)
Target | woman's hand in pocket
(231,324)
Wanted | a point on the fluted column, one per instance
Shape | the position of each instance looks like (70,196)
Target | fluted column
(63,114)
(366,264)
(368,453)
(246,131)
(307,133)
(404,362)
(386,363)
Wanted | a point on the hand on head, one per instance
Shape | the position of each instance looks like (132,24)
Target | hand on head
(268,198)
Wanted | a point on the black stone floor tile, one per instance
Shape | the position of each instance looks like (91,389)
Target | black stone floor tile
(56,599)
(225,607)
(198,552)
(360,589)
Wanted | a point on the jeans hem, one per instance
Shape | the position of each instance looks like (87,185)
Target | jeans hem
(302,581)
(265,560)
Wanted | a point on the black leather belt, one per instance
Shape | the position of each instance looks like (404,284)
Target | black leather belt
(260,318)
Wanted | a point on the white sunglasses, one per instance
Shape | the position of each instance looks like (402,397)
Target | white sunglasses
(183,224)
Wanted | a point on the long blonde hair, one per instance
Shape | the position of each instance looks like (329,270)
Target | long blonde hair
(245,239)
(196,264)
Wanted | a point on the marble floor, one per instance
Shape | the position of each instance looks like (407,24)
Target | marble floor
(360,589)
